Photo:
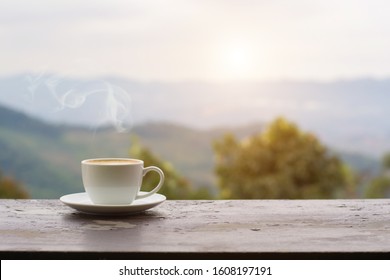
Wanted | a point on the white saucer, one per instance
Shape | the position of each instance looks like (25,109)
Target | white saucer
(81,202)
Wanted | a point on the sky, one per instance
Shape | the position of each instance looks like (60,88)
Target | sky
(197,40)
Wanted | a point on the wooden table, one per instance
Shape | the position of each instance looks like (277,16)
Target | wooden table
(222,229)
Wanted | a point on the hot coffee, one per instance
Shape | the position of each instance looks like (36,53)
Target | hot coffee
(111,161)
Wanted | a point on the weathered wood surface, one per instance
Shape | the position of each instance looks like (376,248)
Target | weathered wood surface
(199,229)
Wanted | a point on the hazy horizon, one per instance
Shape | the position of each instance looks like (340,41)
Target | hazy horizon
(351,115)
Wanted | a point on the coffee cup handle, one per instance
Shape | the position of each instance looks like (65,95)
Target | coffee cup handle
(156,189)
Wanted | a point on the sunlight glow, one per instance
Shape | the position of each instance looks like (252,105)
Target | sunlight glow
(238,57)
(237,61)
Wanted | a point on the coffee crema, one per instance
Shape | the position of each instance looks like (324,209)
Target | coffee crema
(111,161)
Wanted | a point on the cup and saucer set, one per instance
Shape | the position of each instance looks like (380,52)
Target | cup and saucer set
(112,187)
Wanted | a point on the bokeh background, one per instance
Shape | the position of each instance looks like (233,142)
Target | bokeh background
(234,99)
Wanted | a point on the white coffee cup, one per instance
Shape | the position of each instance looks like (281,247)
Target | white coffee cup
(116,181)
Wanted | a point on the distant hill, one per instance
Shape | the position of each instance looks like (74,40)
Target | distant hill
(28,152)
(46,158)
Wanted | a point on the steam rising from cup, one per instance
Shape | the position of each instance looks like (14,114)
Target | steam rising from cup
(68,94)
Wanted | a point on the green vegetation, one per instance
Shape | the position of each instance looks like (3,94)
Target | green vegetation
(283,162)
(380,185)
(9,188)
(175,185)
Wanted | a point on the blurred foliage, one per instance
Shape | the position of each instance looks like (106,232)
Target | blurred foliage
(9,188)
(380,185)
(379,188)
(386,161)
(352,179)
(280,163)
(175,186)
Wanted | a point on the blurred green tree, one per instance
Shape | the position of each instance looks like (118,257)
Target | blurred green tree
(386,161)
(9,188)
(380,185)
(282,163)
(175,186)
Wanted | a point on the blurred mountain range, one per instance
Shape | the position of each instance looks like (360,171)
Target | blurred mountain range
(46,158)
(348,115)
